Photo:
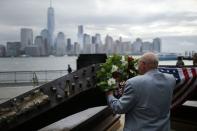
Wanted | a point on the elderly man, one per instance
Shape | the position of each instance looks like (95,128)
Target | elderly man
(146,99)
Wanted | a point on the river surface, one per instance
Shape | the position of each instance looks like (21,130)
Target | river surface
(41,63)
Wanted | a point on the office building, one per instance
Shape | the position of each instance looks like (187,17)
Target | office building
(45,35)
(86,43)
(147,47)
(42,47)
(157,45)
(2,51)
(108,44)
(32,50)
(69,46)
(98,39)
(137,46)
(13,49)
(60,44)
(76,48)
(80,36)
(26,37)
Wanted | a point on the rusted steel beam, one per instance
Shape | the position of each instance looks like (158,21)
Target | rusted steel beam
(50,102)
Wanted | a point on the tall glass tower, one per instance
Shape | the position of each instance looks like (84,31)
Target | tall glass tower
(80,36)
(51,24)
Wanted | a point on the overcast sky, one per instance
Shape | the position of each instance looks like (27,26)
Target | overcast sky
(175,21)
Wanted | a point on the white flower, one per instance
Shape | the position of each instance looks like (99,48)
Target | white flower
(111,82)
(123,58)
(123,61)
(131,71)
(114,68)
(102,70)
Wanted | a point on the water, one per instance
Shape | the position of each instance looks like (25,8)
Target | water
(30,64)
(49,63)
(41,63)
(37,63)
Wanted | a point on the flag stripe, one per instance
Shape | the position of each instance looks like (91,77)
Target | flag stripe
(193,72)
(185,73)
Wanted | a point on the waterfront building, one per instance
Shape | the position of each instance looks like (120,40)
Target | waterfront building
(147,46)
(108,44)
(80,36)
(126,47)
(45,35)
(157,45)
(98,38)
(76,48)
(86,39)
(2,51)
(99,48)
(93,48)
(32,50)
(26,37)
(42,47)
(13,49)
(86,43)
(51,24)
(93,40)
(60,44)
(69,46)
(117,47)
(137,46)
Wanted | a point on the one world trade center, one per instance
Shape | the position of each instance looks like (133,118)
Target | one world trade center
(51,24)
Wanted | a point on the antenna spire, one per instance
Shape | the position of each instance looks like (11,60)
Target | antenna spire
(50,3)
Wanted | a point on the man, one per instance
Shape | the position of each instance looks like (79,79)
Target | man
(69,69)
(146,99)
(180,62)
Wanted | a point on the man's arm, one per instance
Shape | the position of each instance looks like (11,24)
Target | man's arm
(124,103)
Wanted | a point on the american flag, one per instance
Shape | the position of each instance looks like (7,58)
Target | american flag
(186,83)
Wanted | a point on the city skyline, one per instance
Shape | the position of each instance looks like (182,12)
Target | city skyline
(175,26)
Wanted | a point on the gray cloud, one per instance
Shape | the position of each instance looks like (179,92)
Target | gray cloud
(143,18)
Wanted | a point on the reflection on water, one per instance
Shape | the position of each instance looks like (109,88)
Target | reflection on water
(37,63)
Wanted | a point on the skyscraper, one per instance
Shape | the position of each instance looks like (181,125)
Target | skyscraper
(108,44)
(60,44)
(86,43)
(13,48)
(80,36)
(157,45)
(98,39)
(26,37)
(51,24)
(45,35)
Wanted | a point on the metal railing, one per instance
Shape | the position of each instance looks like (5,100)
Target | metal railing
(34,77)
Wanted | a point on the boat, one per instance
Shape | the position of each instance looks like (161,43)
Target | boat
(167,56)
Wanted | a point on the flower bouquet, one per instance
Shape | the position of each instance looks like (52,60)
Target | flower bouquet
(115,71)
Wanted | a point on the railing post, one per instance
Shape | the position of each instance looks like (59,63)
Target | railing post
(45,75)
(60,73)
(15,77)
